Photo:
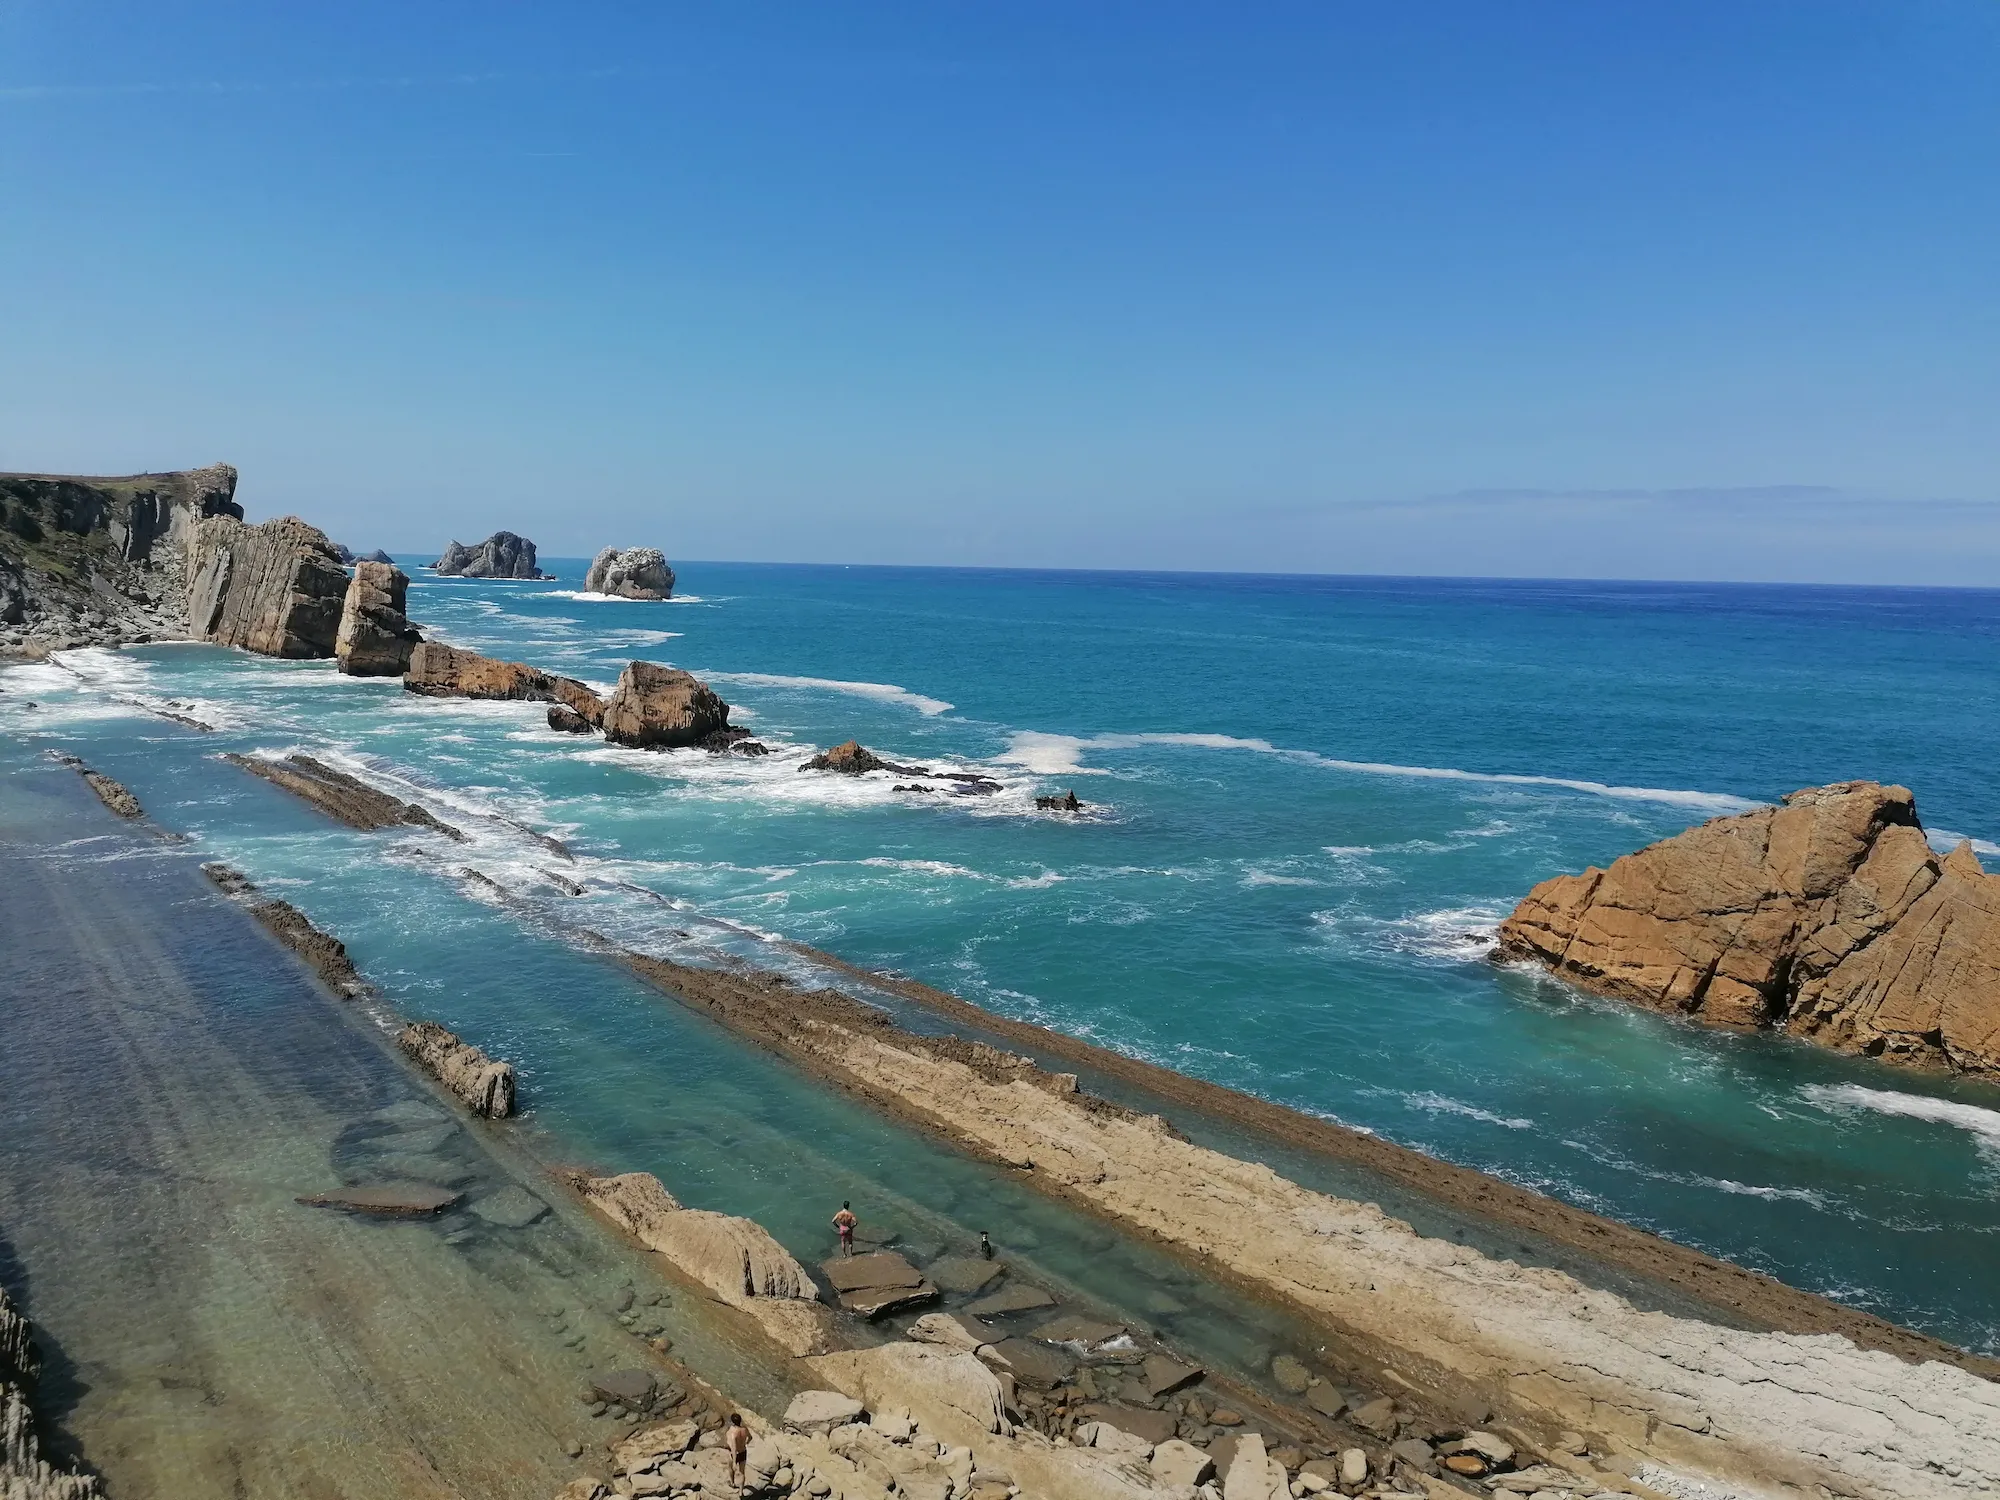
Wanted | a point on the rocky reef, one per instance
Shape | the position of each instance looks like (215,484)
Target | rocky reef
(276,589)
(341,796)
(852,758)
(484,1086)
(501,555)
(24,1473)
(98,561)
(1829,917)
(635,573)
(440,671)
(662,708)
(375,637)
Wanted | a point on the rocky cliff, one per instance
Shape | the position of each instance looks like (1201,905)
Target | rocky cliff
(1828,916)
(376,637)
(88,560)
(276,589)
(501,555)
(635,573)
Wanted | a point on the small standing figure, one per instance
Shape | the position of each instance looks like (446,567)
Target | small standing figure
(985,1245)
(844,1221)
(737,1440)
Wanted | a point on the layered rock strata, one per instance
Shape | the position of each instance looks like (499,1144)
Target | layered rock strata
(24,1473)
(111,793)
(501,555)
(1828,917)
(484,1086)
(341,796)
(635,573)
(276,589)
(735,1259)
(1787,1411)
(661,708)
(440,671)
(323,953)
(376,638)
(97,561)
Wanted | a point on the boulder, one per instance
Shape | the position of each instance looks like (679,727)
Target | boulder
(379,556)
(1162,1373)
(440,671)
(375,638)
(1141,1422)
(959,1331)
(566,720)
(821,1411)
(486,1087)
(501,555)
(276,589)
(942,1388)
(1828,916)
(1253,1474)
(660,708)
(635,573)
(1178,1463)
(1291,1374)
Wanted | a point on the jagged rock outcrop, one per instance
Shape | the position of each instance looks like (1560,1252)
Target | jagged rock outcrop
(662,708)
(440,671)
(852,758)
(734,1258)
(501,555)
(486,1087)
(378,555)
(276,589)
(376,637)
(341,796)
(86,560)
(1828,916)
(24,1473)
(344,552)
(635,573)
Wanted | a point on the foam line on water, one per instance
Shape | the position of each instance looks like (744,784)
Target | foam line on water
(881,692)
(1982,1124)
(1943,840)
(584,597)
(1062,754)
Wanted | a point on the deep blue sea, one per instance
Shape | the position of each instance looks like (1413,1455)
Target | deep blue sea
(1309,802)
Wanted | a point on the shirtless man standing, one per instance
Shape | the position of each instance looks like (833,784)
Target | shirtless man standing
(844,1221)
(736,1438)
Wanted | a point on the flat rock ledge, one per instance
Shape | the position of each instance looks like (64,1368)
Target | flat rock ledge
(440,671)
(341,796)
(24,1473)
(1828,917)
(484,1086)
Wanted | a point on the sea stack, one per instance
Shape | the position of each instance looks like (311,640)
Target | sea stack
(1828,917)
(501,555)
(276,589)
(661,708)
(376,637)
(635,573)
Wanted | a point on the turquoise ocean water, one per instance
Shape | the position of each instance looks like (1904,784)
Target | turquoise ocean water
(1309,802)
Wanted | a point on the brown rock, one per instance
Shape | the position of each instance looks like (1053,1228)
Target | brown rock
(1471,1465)
(661,708)
(850,758)
(878,1268)
(1828,916)
(340,795)
(440,671)
(397,1200)
(485,1086)
(276,589)
(1162,1373)
(566,720)
(375,638)
(1017,1297)
(1153,1426)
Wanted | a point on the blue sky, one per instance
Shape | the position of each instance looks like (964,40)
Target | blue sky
(1597,289)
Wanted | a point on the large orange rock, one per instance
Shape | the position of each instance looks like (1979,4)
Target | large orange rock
(440,671)
(661,708)
(1829,916)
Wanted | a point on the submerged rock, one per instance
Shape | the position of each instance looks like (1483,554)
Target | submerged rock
(275,589)
(635,573)
(376,637)
(661,708)
(485,1086)
(501,555)
(1061,802)
(1829,917)
(396,1200)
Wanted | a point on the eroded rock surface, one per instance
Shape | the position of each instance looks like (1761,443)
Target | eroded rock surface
(635,573)
(341,796)
(484,1086)
(376,637)
(501,555)
(440,671)
(1829,917)
(276,589)
(24,1473)
(662,708)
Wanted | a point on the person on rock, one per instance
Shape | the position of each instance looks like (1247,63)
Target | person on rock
(844,1222)
(737,1440)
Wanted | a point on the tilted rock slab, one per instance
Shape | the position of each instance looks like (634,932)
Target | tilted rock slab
(486,1087)
(1828,916)
(376,637)
(635,573)
(501,555)
(734,1258)
(661,708)
(440,671)
(276,589)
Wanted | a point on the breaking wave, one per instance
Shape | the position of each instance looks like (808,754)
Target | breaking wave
(1982,1124)
(881,692)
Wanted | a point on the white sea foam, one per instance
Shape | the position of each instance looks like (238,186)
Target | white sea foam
(1253,878)
(881,692)
(1456,934)
(1062,755)
(1441,1104)
(588,598)
(1943,840)
(1982,1124)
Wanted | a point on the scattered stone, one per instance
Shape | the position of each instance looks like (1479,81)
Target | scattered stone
(410,1200)
(1377,1417)
(1075,1328)
(513,1207)
(1353,1468)
(627,1388)
(1471,1465)
(1291,1375)
(1177,1463)
(1030,1363)
(1162,1373)
(1495,1450)
(1417,1454)
(1141,1422)
(1012,1298)
(1326,1399)
(1224,1416)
